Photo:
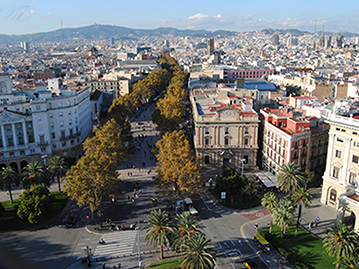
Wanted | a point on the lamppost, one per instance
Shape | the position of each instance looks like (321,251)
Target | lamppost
(243,161)
(88,252)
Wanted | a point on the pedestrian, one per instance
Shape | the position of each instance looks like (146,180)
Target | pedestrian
(104,266)
(310,225)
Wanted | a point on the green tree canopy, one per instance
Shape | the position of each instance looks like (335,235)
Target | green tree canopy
(289,177)
(158,229)
(58,169)
(270,201)
(341,241)
(8,179)
(34,203)
(283,214)
(197,253)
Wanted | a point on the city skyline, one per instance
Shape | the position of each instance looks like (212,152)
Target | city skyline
(24,16)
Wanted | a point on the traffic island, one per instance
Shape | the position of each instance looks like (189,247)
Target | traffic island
(303,251)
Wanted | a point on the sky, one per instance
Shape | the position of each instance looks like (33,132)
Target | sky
(33,16)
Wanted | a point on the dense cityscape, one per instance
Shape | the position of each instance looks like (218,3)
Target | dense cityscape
(171,149)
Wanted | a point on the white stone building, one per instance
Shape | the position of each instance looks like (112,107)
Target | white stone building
(35,124)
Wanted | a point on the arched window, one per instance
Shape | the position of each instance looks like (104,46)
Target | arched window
(206,159)
(333,195)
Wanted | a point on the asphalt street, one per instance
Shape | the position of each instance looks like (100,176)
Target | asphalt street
(55,246)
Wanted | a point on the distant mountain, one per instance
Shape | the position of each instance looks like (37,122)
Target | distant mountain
(296,32)
(103,32)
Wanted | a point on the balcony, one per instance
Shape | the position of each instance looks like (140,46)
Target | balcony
(42,144)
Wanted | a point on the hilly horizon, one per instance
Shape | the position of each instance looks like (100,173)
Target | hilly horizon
(102,32)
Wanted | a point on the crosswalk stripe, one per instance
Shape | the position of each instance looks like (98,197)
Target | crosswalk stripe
(117,243)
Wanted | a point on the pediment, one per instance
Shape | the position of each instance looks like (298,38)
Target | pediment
(227,112)
(9,116)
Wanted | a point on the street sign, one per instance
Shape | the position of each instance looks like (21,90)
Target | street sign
(223,195)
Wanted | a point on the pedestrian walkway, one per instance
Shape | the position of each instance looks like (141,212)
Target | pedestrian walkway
(117,244)
(212,205)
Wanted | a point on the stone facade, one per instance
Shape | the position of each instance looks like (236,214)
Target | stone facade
(340,181)
(226,133)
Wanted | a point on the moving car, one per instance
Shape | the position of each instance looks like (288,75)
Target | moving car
(250,264)
(262,243)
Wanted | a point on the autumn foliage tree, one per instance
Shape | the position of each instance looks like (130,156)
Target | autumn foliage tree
(94,178)
(178,172)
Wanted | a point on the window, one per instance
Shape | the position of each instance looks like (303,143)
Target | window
(296,145)
(53,135)
(339,139)
(226,140)
(41,127)
(246,130)
(51,116)
(206,130)
(338,154)
(61,114)
(226,130)
(38,107)
(39,118)
(356,144)
(206,140)
(42,139)
(333,195)
(246,141)
(52,125)
(355,159)
(61,123)
(70,122)
(206,159)
(336,172)
(352,178)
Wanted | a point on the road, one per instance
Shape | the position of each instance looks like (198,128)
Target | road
(56,246)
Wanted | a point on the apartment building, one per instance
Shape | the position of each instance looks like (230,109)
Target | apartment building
(226,130)
(286,137)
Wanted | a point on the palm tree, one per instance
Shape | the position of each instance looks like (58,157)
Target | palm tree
(302,197)
(185,225)
(197,253)
(158,229)
(269,201)
(58,168)
(33,174)
(289,177)
(340,241)
(283,214)
(8,179)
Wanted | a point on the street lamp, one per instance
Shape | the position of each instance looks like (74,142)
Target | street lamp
(243,161)
(88,252)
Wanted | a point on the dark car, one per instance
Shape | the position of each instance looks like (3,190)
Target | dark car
(70,221)
(250,264)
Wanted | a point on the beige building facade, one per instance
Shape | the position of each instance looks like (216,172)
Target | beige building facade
(340,181)
(226,132)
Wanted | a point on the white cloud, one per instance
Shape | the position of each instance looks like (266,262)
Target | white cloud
(247,22)
(198,16)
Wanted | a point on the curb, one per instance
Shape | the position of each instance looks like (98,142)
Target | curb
(91,232)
